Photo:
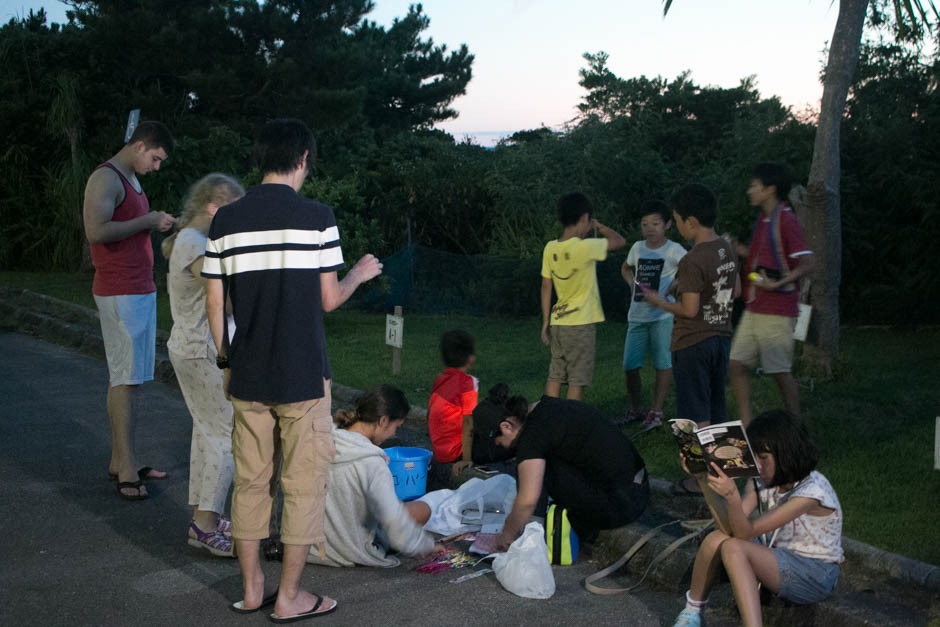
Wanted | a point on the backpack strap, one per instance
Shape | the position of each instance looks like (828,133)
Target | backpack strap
(697,528)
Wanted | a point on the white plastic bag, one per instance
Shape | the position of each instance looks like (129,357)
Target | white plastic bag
(495,494)
(435,498)
(524,569)
(464,509)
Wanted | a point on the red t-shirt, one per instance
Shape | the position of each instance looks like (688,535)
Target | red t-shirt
(453,396)
(761,250)
(125,266)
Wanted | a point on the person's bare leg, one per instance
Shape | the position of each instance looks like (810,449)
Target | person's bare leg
(738,374)
(291,600)
(790,391)
(634,389)
(706,567)
(553,389)
(663,381)
(249,559)
(748,563)
(419,511)
(120,416)
(575,393)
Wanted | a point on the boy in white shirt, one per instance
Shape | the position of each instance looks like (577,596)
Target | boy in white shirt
(651,264)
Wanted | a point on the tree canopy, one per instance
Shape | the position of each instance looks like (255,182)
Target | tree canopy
(216,71)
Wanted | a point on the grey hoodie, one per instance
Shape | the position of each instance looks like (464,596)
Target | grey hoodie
(363,515)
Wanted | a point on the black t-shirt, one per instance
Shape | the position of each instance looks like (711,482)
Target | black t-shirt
(577,433)
(486,419)
(269,249)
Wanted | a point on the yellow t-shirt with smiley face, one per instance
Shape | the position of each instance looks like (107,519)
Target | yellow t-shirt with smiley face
(570,264)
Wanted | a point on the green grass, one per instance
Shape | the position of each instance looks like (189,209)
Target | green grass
(874,422)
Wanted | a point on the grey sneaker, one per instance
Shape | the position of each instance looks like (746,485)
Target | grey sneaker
(630,416)
(653,419)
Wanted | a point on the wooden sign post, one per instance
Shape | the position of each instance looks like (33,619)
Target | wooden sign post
(394,330)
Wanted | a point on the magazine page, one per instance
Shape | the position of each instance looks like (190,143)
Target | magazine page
(726,444)
(689,446)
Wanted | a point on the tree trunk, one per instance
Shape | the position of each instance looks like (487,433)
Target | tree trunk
(820,214)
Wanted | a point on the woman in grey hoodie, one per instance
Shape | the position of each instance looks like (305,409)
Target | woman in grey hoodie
(364,518)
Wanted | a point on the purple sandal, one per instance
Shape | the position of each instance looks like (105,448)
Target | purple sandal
(215,542)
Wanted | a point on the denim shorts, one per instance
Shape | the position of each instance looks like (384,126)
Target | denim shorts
(804,579)
(648,336)
(700,371)
(128,328)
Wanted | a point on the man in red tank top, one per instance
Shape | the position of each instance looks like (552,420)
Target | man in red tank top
(118,222)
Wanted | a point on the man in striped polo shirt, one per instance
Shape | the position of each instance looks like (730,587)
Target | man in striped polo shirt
(275,254)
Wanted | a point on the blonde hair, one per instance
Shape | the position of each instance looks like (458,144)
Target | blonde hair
(215,188)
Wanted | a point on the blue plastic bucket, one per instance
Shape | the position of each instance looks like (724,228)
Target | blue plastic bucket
(409,468)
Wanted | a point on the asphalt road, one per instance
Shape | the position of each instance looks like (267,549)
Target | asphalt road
(73,553)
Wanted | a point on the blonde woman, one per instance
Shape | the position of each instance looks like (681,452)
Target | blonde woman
(192,354)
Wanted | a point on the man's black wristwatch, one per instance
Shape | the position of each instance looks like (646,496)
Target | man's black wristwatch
(221,361)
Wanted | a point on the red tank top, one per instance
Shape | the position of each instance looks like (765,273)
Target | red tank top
(125,266)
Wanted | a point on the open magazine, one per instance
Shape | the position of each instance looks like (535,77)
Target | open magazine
(725,444)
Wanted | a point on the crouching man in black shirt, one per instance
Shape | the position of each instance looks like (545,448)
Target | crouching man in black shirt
(568,451)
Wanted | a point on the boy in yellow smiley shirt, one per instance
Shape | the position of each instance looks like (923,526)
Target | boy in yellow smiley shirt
(568,267)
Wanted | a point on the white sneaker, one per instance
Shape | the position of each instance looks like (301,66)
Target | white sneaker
(690,618)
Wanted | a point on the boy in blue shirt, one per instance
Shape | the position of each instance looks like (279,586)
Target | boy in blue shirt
(651,264)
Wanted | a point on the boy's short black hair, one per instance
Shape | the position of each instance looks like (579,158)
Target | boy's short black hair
(154,135)
(658,207)
(282,144)
(572,206)
(695,201)
(784,436)
(775,174)
(456,348)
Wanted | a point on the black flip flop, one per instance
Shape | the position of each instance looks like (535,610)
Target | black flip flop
(131,484)
(311,613)
(143,474)
(239,606)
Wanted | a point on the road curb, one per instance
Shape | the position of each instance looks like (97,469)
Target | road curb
(76,326)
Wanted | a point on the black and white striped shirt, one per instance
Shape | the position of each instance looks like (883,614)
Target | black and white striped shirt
(269,249)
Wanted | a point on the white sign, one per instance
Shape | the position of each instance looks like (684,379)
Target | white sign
(133,118)
(802,322)
(394,329)
(936,447)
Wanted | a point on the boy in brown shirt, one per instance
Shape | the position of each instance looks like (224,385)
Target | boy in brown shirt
(707,283)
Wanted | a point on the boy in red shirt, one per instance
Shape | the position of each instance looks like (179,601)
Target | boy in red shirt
(777,258)
(453,398)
